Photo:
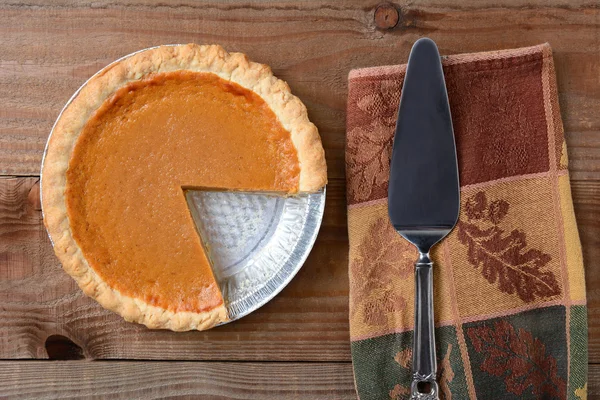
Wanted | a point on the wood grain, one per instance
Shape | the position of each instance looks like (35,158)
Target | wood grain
(586,196)
(43,380)
(594,382)
(49,48)
(307,321)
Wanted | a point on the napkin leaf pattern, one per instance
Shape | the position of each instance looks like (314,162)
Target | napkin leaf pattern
(399,392)
(404,358)
(504,259)
(382,103)
(518,358)
(368,155)
(371,168)
(502,105)
(445,374)
(383,258)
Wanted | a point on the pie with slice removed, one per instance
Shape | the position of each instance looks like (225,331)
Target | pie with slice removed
(133,139)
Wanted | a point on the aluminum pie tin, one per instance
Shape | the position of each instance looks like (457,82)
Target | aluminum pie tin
(256,242)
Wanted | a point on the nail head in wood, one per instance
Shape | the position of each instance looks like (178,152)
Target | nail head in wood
(386,16)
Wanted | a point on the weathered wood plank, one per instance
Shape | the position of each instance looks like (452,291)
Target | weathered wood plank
(594,382)
(586,197)
(49,48)
(307,321)
(44,380)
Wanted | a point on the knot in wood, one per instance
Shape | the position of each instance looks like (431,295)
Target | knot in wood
(386,16)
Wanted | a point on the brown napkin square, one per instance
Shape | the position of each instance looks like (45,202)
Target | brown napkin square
(510,303)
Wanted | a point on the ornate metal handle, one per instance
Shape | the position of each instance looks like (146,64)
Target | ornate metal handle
(424,363)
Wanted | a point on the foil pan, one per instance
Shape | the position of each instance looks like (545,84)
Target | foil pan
(256,242)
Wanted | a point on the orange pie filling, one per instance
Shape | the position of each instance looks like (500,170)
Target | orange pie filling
(133,158)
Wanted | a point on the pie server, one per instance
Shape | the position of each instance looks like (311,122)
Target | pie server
(423,194)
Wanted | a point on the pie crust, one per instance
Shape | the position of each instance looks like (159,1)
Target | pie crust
(234,67)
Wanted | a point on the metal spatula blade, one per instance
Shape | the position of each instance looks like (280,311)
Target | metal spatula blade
(423,194)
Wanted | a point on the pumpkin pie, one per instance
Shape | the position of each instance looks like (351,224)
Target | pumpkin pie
(130,143)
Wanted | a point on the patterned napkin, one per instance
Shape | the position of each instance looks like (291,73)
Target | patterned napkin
(510,303)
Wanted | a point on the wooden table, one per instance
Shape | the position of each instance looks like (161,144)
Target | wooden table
(297,346)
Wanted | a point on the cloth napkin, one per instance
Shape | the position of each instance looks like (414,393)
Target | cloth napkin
(509,288)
